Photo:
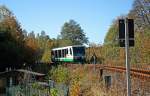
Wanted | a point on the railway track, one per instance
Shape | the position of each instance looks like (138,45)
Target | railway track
(139,73)
(135,72)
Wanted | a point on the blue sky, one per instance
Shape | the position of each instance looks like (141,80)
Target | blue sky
(94,16)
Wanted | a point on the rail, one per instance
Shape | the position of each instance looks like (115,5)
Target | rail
(135,72)
(140,73)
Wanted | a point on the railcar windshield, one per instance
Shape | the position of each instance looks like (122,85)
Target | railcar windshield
(78,51)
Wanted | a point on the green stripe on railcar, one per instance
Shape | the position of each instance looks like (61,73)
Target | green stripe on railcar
(65,59)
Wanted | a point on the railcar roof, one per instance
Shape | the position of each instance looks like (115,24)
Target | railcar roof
(67,47)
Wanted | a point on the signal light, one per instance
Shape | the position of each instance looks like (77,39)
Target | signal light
(122,32)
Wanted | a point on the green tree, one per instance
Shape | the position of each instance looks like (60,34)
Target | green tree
(59,74)
(112,35)
(73,34)
(46,57)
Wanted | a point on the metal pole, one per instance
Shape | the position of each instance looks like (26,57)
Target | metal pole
(127,58)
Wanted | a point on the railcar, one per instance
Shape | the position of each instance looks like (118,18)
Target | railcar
(68,54)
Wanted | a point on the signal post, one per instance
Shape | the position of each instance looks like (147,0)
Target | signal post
(126,39)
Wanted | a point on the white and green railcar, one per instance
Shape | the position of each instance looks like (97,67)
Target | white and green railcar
(68,54)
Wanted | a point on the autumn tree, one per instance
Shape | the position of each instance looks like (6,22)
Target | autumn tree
(140,13)
(13,51)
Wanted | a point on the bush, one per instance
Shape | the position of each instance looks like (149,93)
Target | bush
(59,74)
(53,92)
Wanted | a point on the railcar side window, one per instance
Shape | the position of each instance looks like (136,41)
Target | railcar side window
(66,51)
(70,51)
(52,52)
(56,53)
(59,53)
(63,53)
